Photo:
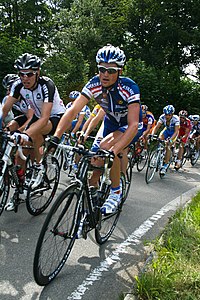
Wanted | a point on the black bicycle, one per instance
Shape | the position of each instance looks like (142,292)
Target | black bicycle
(190,152)
(74,214)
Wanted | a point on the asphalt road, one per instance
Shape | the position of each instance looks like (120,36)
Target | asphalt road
(94,272)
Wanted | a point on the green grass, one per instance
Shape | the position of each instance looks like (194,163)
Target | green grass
(174,272)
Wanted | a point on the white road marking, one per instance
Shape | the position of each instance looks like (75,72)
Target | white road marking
(133,239)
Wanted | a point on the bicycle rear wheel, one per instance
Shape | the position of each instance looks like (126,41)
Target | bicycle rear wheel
(39,198)
(57,236)
(4,190)
(142,160)
(151,167)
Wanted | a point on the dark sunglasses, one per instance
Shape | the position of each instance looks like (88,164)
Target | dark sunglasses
(110,70)
(28,74)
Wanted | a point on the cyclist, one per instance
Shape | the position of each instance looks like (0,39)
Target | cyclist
(82,116)
(171,124)
(184,131)
(120,99)
(7,83)
(42,96)
(149,123)
(195,132)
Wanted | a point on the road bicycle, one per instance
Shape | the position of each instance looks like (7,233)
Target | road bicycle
(8,170)
(75,213)
(155,160)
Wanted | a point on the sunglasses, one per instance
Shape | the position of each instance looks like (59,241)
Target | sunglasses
(28,74)
(111,70)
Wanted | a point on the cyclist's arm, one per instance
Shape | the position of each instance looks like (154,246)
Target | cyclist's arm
(131,131)
(8,106)
(85,126)
(146,132)
(176,131)
(93,124)
(78,123)
(156,128)
(29,116)
(69,116)
(42,121)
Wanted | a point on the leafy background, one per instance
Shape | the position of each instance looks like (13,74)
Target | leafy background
(160,39)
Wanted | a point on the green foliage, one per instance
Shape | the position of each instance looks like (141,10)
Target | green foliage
(174,272)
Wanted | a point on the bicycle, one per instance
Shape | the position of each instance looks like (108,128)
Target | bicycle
(155,160)
(8,170)
(74,214)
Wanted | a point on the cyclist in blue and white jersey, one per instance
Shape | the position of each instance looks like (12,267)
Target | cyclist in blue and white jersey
(120,99)
(82,116)
(171,123)
(195,131)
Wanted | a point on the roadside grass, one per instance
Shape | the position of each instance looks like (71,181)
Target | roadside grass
(174,272)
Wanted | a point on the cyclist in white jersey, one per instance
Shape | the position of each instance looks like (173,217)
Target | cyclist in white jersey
(42,96)
(120,98)
(171,124)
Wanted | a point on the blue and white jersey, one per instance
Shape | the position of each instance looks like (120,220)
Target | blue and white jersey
(172,123)
(116,100)
(44,92)
(196,128)
(85,110)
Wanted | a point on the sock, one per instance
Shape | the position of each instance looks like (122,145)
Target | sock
(116,190)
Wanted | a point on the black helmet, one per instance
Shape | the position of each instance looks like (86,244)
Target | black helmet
(8,80)
(27,61)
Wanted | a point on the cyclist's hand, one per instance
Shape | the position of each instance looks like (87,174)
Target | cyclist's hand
(52,143)
(73,135)
(80,136)
(21,138)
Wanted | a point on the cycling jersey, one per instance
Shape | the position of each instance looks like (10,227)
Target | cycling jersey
(95,110)
(186,124)
(195,129)
(85,110)
(44,92)
(148,120)
(21,106)
(172,123)
(115,103)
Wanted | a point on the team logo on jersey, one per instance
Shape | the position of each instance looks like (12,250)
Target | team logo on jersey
(38,96)
(27,96)
(119,102)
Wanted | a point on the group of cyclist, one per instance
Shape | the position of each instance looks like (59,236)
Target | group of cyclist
(41,112)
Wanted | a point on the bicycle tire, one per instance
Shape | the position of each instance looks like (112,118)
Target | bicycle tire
(39,198)
(106,223)
(57,236)
(152,166)
(129,175)
(142,161)
(4,190)
(194,158)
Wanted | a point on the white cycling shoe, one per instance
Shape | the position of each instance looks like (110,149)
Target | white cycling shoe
(10,206)
(111,204)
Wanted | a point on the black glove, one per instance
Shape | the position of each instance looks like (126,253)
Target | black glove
(52,143)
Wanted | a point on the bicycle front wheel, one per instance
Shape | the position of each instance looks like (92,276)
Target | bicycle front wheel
(142,160)
(4,190)
(151,167)
(39,198)
(57,236)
